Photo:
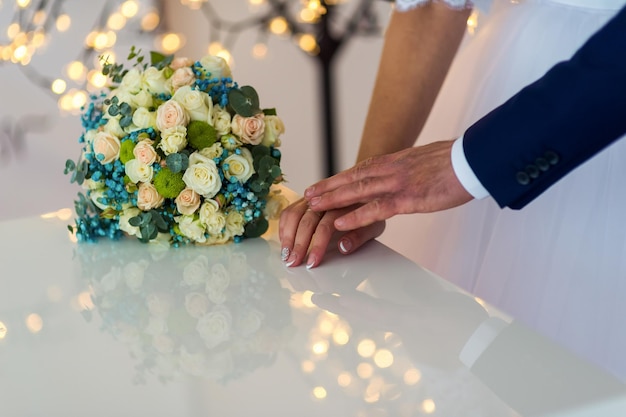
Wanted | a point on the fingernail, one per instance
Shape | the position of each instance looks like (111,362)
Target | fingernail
(314,201)
(284,254)
(291,260)
(310,263)
(339,222)
(345,245)
(309,191)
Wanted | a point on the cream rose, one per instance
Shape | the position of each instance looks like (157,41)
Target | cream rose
(274,127)
(144,152)
(148,197)
(249,129)
(238,166)
(191,227)
(215,327)
(125,226)
(203,177)
(197,104)
(113,127)
(182,77)
(106,147)
(221,120)
(196,304)
(137,171)
(213,151)
(173,139)
(171,114)
(144,118)
(208,208)
(143,99)
(235,223)
(181,62)
(215,223)
(132,81)
(154,81)
(216,66)
(187,201)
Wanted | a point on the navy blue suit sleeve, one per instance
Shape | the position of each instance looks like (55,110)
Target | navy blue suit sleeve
(550,127)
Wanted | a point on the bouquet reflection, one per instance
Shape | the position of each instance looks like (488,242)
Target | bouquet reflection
(217,312)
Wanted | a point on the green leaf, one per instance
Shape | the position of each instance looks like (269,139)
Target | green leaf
(256,228)
(159,60)
(125,109)
(69,166)
(269,112)
(114,109)
(177,162)
(126,121)
(135,221)
(244,101)
(159,221)
(275,171)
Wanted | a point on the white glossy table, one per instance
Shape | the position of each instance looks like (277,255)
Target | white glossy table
(127,329)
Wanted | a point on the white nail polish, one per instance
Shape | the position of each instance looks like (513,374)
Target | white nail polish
(311,263)
(343,247)
(290,263)
(284,254)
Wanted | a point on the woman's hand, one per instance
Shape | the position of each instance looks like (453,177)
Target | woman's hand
(306,234)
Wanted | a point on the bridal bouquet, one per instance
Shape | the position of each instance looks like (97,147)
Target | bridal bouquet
(176,151)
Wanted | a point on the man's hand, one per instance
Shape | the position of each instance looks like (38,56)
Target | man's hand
(415,180)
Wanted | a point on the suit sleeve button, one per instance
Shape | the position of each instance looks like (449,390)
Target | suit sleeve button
(542,164)
(551,157)
(532,171)
(522,178)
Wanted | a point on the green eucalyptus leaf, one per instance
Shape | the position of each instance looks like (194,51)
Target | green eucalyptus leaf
(275,171)
(69,166)
(269,112)
(159,221)
(125,109)
(126,121)
(135,221)
(256,228)
(114,109)
(244,101)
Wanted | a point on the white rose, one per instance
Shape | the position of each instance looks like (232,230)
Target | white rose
(191,228)
(239,166)
(132,81)
(137,171)
(106,147)
(196,272)
(215,223)
(125,226)
(203,178)
(144,118)
(113,127)
(249,129)
(170,114)
(188,201)
(218,282)
(173,139)
(214,328)
(216,66)
(97,196)
(154,81)
(143,99)
(196,304)
(182,77)
(213,151)
(123,96)
(221,120)
(235,223)
(148,197)
(218,239)
(250,323)
(198,104)
(90,184)
(90,135)
(274,127)
(207,209)
(134,274)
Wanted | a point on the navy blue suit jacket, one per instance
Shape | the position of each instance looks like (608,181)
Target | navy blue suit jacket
(550,127)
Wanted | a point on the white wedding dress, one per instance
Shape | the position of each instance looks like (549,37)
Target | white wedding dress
(559,264)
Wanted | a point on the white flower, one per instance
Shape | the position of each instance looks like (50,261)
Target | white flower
(132,81)
(202,176)
(215,327)
(239,166)
(154,81)
(274,127)
(125,226)
(196,272)
(182,77)
(134,273)
(143,118)
(198,104)
(97,197)
(173,139)
(137,171)
(113,127)
(106,147)
(144,151)
(221,120)
(207,209)
(235,223)
(215,223)
(213,151)
(142,99)
(217,284)
(250,323)
(216,66)
(191,227)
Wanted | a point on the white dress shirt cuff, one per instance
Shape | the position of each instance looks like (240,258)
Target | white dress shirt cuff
(464,172)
